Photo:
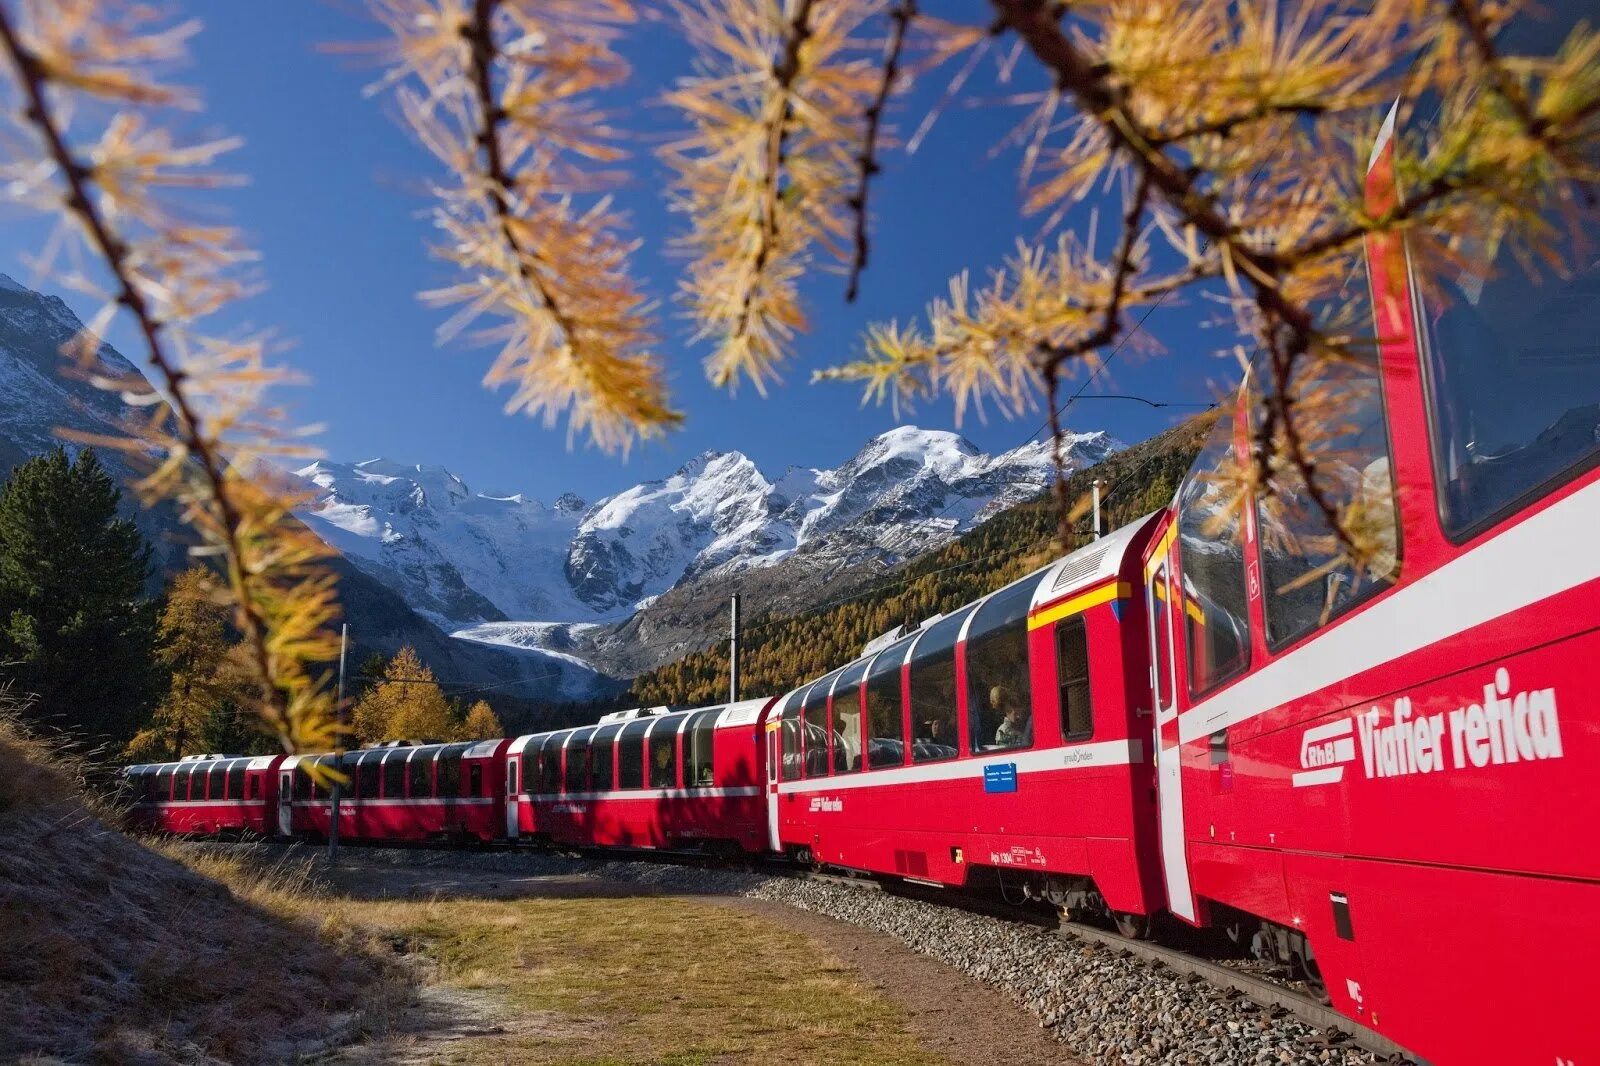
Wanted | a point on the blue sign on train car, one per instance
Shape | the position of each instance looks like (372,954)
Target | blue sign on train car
(1000,777)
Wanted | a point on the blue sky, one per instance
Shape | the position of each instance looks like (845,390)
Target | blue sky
(335,203)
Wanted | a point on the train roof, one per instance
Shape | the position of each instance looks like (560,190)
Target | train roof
(742,713)
(1090,565)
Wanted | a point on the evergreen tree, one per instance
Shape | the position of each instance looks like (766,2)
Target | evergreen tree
(76,629)
(200,711)
(405,704)
(481,723)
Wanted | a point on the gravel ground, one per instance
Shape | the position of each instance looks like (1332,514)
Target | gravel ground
(1104,1007)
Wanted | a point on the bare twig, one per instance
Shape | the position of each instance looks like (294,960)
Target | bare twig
(901,17)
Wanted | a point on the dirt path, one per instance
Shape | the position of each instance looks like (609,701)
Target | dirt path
(967,1022)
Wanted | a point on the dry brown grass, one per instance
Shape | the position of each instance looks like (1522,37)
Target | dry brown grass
(586,982)
(113,952)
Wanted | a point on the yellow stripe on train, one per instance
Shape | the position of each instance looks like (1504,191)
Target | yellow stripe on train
(1078,604)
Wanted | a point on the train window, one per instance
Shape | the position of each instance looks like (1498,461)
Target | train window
(419,774)
(1512,372)
(161,786)
(846,719)
(549,782)
(302,782)
(577,776)
(791,738)
(1072,676)
(1306,582)
(1216,622)
(367,775)
(394,775)
(814,727)
(630,755)
(999,696)
(886,728)
(236,781)
(450,772)
(933,691)
(601,762)
(698,737)
(664,754)
(217,778)
(475,779)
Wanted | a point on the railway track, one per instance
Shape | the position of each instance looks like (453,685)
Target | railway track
(1276,997)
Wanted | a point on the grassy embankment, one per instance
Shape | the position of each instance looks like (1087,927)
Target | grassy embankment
(118,950)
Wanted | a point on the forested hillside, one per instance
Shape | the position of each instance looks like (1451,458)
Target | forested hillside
(779,653)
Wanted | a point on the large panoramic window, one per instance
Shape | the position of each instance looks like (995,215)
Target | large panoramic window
(630,754)
(1216,624)
(420,773)
(698,737)
(664,753)
(999,696)
(846,719)
(577,772)
(600,760)
(791,737)
(814,719)
(886,729)
(934,710)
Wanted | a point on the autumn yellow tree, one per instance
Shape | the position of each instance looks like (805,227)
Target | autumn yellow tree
(208,682)
(480,723)
(405,704)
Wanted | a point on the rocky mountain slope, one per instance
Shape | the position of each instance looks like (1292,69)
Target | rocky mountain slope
(36,400)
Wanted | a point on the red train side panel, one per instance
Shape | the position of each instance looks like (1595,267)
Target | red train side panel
(647,780)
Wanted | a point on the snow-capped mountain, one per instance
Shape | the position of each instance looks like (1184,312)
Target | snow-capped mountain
(467,558)
(425,555)
(36,400)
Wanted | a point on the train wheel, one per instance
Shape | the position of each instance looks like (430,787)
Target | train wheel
(1132,926)
(1307,970)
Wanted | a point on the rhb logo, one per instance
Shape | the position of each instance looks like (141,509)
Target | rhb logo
(826,803)
(1504,727)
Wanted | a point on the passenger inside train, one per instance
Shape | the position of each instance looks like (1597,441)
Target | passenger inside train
(1016,724)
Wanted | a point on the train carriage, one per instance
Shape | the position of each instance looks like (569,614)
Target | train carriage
(400,792)
(1381,773)
(1009,735)
(204,795)
(646,779)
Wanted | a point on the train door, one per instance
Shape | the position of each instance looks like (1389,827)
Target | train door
(774,756)
(513,765)
(1168,752)
(286,802)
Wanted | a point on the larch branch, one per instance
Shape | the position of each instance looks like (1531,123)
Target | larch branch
(78,177)
(479,34)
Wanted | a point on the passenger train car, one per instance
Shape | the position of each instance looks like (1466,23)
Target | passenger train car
(645,779)
(1010,735)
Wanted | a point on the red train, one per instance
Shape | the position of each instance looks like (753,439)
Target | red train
(1375,774)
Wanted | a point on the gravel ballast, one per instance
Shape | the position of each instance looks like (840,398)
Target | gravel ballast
(1103,1005)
